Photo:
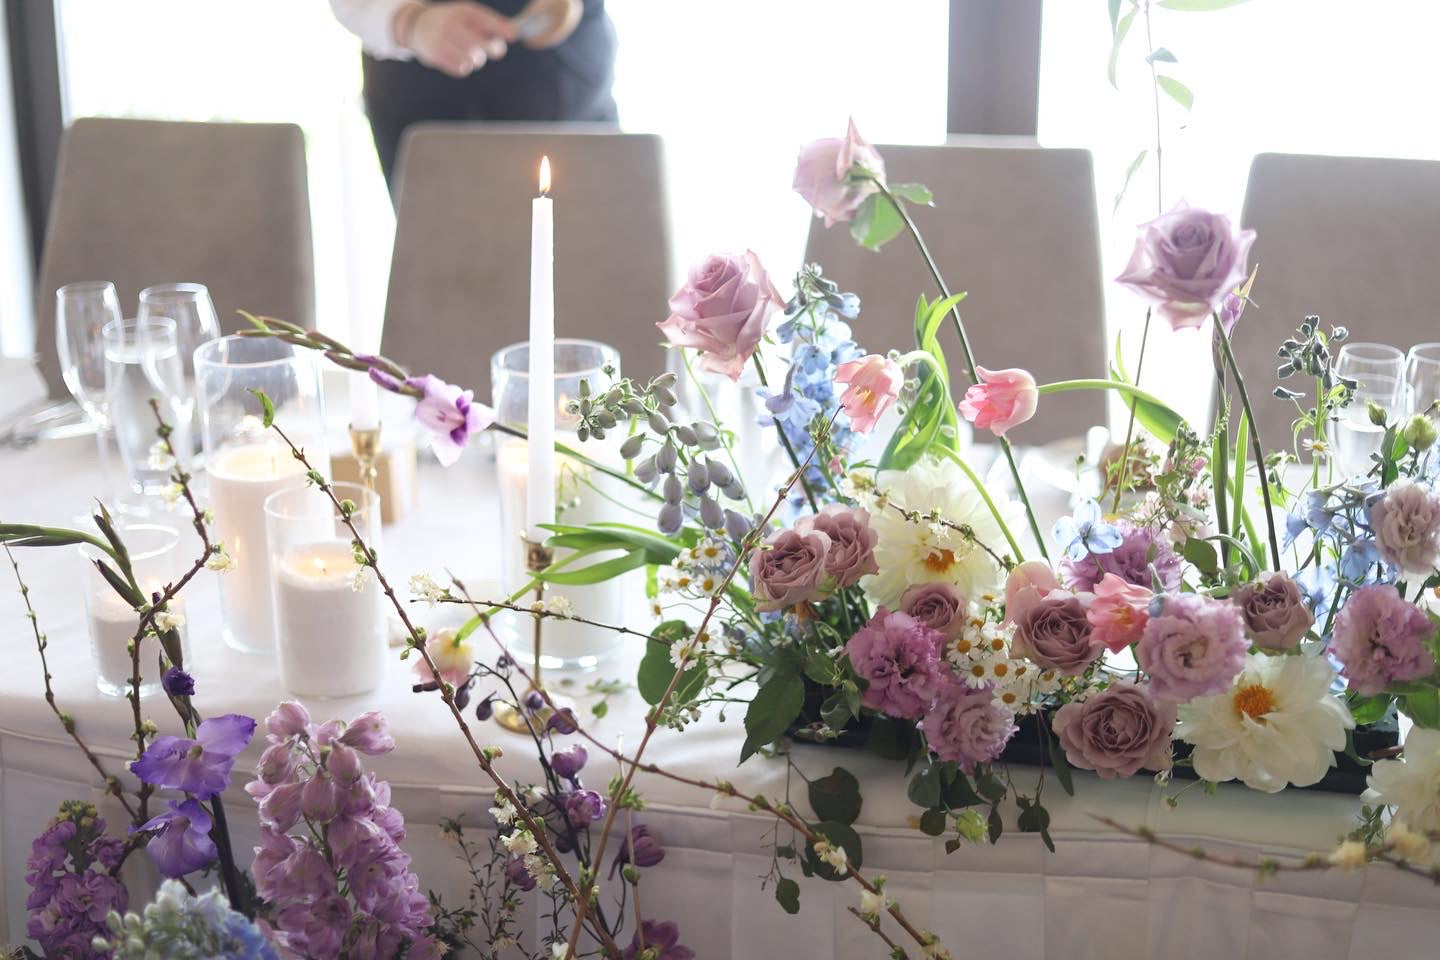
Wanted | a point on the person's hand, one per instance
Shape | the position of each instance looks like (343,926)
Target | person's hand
(455,38)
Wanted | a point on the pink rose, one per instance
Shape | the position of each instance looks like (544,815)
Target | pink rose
(822,175)
(722,311)
(873,383)
(789,569)
(1117,731)
(936,605)
(1119,612)
(1026,585)
(1001,400)
(1185,263)
(852,543)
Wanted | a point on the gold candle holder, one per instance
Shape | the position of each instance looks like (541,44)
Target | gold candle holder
(365,444)
(514,717)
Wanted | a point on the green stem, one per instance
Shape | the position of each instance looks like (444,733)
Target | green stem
(785,441)
(1124,475)
(574,454)
(985,495)
(1254,441)
(1060,386)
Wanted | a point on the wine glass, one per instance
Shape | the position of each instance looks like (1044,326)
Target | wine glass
(1422,374)
(1379,372)
(142,361)
(81,312)
(189,305)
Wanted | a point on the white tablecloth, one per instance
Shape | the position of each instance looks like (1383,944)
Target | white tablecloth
(1099,895)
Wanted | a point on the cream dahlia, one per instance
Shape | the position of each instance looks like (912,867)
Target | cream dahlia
(909,552)
(1278,724)
(1412,785)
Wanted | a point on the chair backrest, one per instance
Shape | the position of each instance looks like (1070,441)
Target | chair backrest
(460,272)
(1350,239)
(142,202)
(1016,228)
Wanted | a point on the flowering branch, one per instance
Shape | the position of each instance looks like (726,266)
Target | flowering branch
(536,610)
(964,529)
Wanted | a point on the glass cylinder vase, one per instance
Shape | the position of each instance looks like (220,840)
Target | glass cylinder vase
(583,496)
(245,463)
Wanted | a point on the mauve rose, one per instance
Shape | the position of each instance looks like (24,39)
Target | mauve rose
(1116,732)
(852,542)
(722,311)
(938,606)
(1055,634)
(1185,262)
(789,569)
(1273,611)
(1406,521)
(822,175)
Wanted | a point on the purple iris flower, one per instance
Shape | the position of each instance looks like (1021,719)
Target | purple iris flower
(450,414)
(182,844)
(201,766)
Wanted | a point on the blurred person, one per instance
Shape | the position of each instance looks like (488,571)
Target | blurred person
(459,60)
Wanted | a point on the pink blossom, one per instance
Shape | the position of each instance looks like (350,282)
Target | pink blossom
(967,726)
(722,311)
(453,658)
(1119,612)
(822,175)
(1380,639)
(872,384)
(1027,584)
(1001,400)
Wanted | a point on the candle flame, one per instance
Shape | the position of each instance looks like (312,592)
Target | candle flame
(320,567)
(544,176)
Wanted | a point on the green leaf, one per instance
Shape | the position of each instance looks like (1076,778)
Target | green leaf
(841,835)
(596,572)
(776,705)
(914,192)
(1036,819)
(656,670)
(267,408)
(1423,708)
(890,739)
(877,222)
(1237,485)
(932,822)
(1058,760)
(787,894)
(991,787)
(1157,418)
(836,797)
(994,825)
(1130,172)
(1114,14)
(1202,554)
(1161,55)
(922,428)
(1178,91)
(1368,709)
(924,788)
(1122,27)
(1198,6)
(955,791)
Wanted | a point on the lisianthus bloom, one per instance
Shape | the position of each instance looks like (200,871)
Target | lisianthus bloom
(1119,612)
(872,384)
(722,311)
(1411,785)
(1278,724)
(453,658)
(1185,262)
(966,725)
(823,175)
(900,660)
(1001,400)
(182,841)
(449,415)
(201,766)
(1193,647)
(1139,550)
(1116,732)
(1406,521)
(1380,639)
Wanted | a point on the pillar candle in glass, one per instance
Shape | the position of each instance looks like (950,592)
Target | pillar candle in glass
(246,463)
(583,496)
(155,559)
(330,627)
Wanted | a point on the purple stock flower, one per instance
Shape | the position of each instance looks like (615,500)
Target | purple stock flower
(182,841)
(450,414)
(641,847)
(71,889)
(178,683)
(1380,639)
(1139,549)
(663,937)
(1192,646)
(967,725)
(569,763)
(584,807)
(200,766)
(900,659)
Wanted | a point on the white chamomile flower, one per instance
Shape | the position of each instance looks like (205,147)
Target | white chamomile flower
(1010,698)
(873,903)
(423,586)
(160,457)
(520,843)
(357,578)
(220,561)
(165,621)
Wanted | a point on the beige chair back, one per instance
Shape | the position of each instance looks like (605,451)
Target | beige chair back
(1016,228)
(142,202)
(460,274)
(1350,239)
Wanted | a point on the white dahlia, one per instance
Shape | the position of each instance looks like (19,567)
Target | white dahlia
(1412,785)
(910,552)
(1278,724)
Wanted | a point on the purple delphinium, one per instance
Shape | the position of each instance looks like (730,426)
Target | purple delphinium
(181,843)
(71,889)
(1131,560)
(967,726)
(899,657)
(1193,646)
(663,937)
(201,766)
(448,413)
(1380,639)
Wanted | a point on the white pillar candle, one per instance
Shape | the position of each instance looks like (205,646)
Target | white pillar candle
(364,402)
(330,637)
(240,479)
(112,625)
(540,503)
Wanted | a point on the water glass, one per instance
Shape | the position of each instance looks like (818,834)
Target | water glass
(1379,372)
(189,305)
(142,362)
(112,622)
(1422,374)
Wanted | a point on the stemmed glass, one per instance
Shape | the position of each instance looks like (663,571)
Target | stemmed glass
(189,305)
(82,311)
(142,361)
(1422,373)
(1379,372)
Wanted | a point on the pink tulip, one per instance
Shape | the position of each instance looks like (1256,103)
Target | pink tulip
(1027,585)
(873,382)
(1001,400)
(1119,612)
(822,175)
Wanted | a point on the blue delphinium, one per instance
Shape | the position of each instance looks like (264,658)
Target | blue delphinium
(188,927)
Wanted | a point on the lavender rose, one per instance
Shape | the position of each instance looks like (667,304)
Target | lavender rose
(852,542)
(1380,639)
(822,175)
(1193,647)
(967,726)
(1274,612)
(1406,521)
(1117,731)
(1055,633)
(789,569)
(1139,550)
(1186,261)
(900,659)
(722,311)
(938,606)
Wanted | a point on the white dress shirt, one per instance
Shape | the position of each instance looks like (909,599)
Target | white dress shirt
(372,22)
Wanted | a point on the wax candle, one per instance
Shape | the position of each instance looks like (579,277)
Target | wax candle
(241,477)
(112,624)
(364,402)
(330,637)
(540,501)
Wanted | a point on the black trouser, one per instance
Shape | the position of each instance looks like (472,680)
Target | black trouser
(568,83)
